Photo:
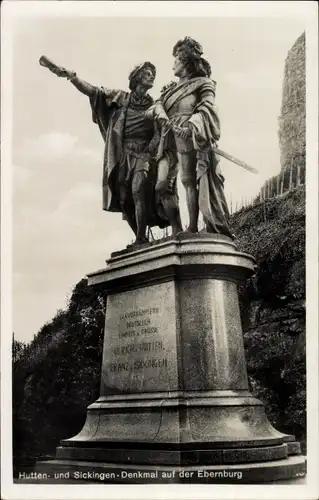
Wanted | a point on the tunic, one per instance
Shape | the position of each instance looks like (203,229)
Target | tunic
(123,123)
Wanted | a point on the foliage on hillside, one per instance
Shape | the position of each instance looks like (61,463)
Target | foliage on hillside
(273,306)
(57,375)
(274,233)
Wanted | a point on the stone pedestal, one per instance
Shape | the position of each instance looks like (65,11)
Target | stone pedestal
(174,390)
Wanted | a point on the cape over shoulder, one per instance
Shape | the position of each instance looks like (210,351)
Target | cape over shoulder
(174,93)
(114,96)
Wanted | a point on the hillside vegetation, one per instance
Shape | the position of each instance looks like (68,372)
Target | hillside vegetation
(57,375)
(273,306)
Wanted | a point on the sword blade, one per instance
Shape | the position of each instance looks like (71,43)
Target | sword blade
(220,152)
(233,159)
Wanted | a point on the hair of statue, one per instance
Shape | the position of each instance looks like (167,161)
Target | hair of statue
(189,51)
(135,76)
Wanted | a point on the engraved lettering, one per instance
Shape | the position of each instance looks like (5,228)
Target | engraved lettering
(140,364)
(119,367)
(139,312)
(133,324)
(139,353)
(129,333)
(141,347)
(151,329)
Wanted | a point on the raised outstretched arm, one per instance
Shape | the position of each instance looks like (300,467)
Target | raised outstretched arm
(84,87)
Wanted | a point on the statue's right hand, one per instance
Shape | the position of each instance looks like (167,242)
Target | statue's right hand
(160,115)
(163,120)
(54,68)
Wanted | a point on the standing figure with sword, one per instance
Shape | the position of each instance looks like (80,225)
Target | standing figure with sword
(190,130)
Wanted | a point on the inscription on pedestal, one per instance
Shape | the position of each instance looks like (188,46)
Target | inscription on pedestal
(143,327)
(140,341)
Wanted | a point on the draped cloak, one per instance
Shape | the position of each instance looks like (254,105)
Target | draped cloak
(205,126)
(113,113)
(108,112)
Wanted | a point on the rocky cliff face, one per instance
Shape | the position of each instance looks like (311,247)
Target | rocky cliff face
(292,125)
(292,120)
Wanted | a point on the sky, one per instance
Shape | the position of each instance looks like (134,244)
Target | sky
(60,232)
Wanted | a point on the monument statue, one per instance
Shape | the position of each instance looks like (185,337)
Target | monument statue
(174,393)
(130,171)
(190,130)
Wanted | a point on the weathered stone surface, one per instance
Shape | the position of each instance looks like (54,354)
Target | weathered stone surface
(211,336)
(292,121)
(292,125)
(140,352)
(184,422)
(161,457)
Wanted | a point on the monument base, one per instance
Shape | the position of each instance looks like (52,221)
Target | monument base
(174,400)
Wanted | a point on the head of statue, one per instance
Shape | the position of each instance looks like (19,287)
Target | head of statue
(188,60)
(143,74)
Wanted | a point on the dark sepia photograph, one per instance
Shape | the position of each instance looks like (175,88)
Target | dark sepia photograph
(158,165)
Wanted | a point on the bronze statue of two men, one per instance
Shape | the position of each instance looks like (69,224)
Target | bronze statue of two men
(147,143)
